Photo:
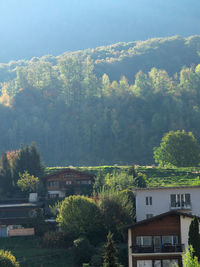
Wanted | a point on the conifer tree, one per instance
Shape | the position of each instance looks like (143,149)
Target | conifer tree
(28,159)
(194,237)
(110,253)
(5,176)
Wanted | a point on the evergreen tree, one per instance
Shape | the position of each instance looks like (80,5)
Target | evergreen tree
(29,160)
(110,252)
(5,176)
(194,237)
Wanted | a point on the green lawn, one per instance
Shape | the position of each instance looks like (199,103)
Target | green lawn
(29,252)
(156,176)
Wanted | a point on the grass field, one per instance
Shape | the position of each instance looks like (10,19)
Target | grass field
(156,176)
(29,252)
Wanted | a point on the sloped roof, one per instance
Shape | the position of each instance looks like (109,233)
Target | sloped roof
(68,170)
(157,217)
(166,187)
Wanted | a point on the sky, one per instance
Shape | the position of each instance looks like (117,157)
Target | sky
(31,28)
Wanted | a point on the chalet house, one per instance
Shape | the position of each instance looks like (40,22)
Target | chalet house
(14,218)
(67,181)
(159,241)
(154,201)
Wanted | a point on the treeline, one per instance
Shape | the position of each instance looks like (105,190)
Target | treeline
(79,118)
(125,59)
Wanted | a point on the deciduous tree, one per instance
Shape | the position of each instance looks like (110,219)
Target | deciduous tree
(179,149)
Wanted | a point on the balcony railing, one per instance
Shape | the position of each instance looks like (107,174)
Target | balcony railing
(166,248)
(181,206)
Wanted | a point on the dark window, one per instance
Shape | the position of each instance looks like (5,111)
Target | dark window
(54,183)
(148,201)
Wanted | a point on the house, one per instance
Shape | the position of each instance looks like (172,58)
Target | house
(160,240)
(67,181)
(154,201)
(14,218)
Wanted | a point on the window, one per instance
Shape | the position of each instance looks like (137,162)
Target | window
(148,201)
(170,263)
(180,200)
(144,241)
(54,183)
(68,182)
(170,239)
(157,263)
(148,216)
(86,182)
(144,263)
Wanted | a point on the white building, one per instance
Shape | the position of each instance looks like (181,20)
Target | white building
(154,201)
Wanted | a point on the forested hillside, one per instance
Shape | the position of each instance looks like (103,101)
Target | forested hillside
(77,115)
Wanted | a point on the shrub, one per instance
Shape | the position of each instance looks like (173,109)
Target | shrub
(80,216)
(55,240)
(7,259)
(82,250)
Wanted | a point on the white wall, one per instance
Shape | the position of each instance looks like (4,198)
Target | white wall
(161,201)
(185,225)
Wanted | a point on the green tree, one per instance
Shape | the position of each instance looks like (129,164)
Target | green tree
(80,216)
(189,260)
(194,237)
(28,159)
(7,259)
(179,149)
(110,253)
(28,183)
(117,209)
(5,176)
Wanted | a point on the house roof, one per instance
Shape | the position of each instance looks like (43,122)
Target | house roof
(68,170)
(165,188)
(13,221)
(21,205)
(157,217)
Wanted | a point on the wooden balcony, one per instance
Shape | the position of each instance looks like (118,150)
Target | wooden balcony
(181,206)
(166,248)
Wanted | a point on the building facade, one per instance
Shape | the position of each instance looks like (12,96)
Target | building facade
(67,182)
(154,201)
(159,241)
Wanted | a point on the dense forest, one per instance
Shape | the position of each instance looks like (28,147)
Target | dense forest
(106,105)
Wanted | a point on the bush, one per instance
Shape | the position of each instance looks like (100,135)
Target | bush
(80,216)
(82,251)
(96,260)
(7,259)
(56,240)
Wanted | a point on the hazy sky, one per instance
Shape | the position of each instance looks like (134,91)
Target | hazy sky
(37,27)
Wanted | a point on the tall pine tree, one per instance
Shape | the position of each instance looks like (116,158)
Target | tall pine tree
(194,237)
(6,184)
(110,253)
(28,159)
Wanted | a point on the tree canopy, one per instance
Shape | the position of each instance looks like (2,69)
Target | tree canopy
(7,259)
(80,216)
(179,149)
(113,103)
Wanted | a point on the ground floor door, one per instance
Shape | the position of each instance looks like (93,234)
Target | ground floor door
(157,243)
(145,263)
